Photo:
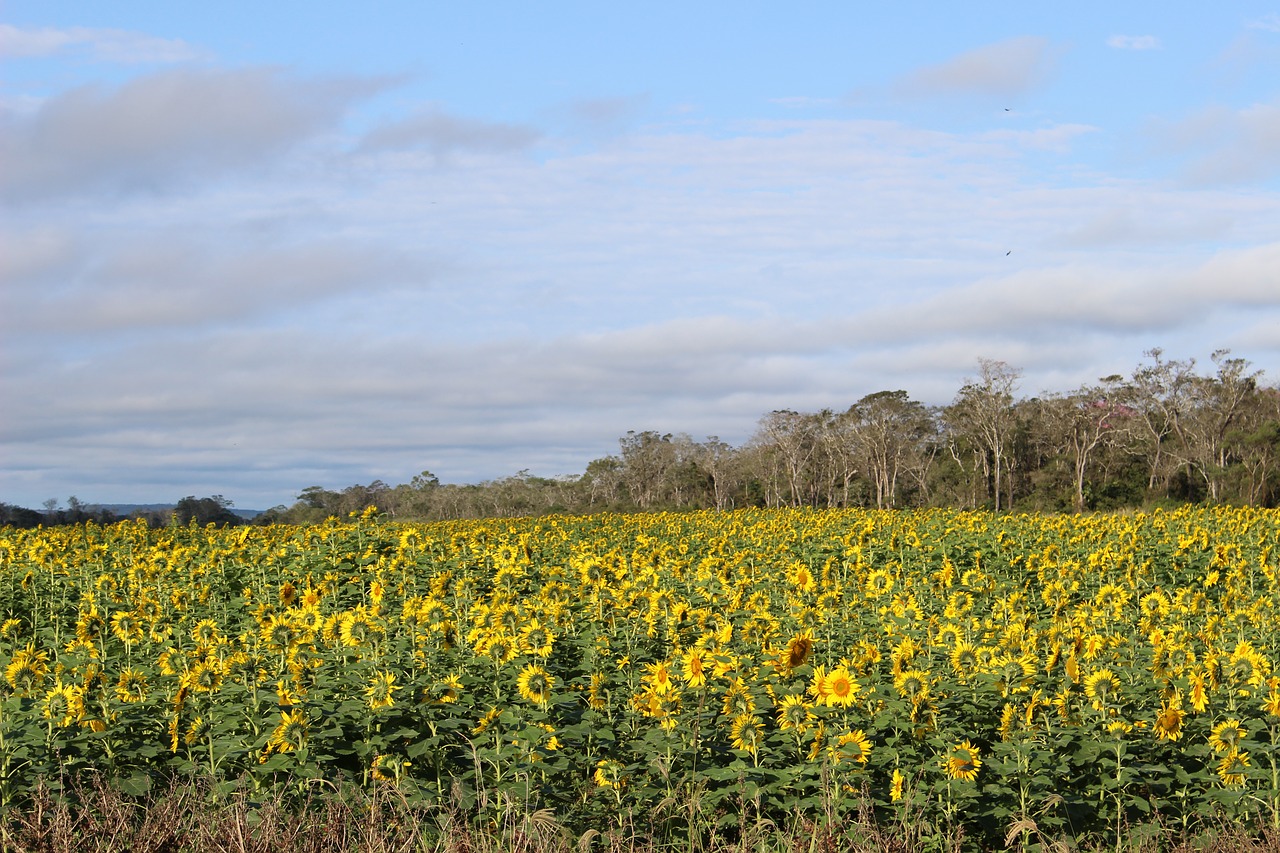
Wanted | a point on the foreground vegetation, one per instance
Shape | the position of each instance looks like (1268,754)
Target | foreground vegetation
(930,679)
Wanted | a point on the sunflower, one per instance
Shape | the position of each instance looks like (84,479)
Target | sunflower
(1014,675)
(381,690)
(799,647)
(1226,737)
(1272,703)
(536,640)
(279,633)
(658,676)
(204,677)
(1103,688)
(896,785)
(63,705)
(912,684)
(964,762)
(535,684)
(596,699)
(839,688)
(738,700)
(206,633)
(290,733)
(197,731)
(449,690)
(609,774)
(693,667)
(793,713)
(27,670)
(964,660)
(878,583)
(89,626)
(851,746)
(746,733)
(1232,769)
(131,686)
(1199,693)
(1168,724)
(125,625)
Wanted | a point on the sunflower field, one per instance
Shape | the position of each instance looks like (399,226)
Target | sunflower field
(1002,677)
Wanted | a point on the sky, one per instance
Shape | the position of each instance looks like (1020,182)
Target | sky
(249,248)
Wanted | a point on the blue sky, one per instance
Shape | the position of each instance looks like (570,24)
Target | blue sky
(250,249)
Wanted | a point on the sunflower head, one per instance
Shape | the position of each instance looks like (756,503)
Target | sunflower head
(535,684)
(963,762)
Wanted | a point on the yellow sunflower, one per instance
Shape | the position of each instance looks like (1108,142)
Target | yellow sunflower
(1233,768)
(535,684)
(381,690)
(963,762)
(1226,737)
(840,688)
(746,733)
(290,733)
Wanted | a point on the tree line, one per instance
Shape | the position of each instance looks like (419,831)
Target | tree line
(1168,433)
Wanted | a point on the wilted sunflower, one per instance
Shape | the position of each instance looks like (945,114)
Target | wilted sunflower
(964,762)
(535,684)
(799,647)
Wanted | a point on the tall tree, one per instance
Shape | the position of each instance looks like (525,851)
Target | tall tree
(983,411)
(890,429)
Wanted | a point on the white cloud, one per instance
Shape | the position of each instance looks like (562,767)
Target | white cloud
(1003,69)
(1134,42)
(169,126)
(1224,145)
(104,45)
(1269,22)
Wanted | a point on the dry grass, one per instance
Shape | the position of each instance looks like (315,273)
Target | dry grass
(189,818)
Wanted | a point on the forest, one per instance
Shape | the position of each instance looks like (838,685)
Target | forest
(1171,432)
